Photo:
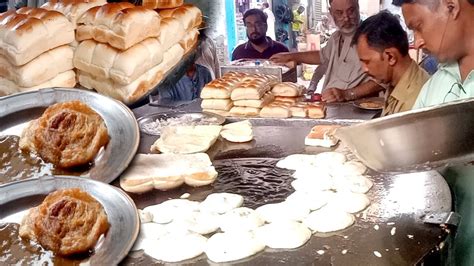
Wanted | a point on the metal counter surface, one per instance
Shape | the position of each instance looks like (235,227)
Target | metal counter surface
(391,227)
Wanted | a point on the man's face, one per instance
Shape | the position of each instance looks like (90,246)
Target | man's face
(256,29)
(433,30)
(372,61)
(346,15)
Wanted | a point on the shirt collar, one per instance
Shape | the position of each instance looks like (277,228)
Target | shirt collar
(451,69)
(405,86)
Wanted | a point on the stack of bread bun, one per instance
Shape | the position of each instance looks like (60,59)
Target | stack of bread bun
(72,9)
(252,94)
(216,94)
(190,17)
(288,103)
(119,54)
(35,51)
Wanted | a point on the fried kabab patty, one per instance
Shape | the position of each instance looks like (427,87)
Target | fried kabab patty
(68,222)
(68,134)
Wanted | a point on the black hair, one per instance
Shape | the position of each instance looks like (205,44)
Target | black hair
(255,12)
(383,31)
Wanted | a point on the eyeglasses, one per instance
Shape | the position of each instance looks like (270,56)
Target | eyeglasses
(456,90)
(350,13)
(257,25)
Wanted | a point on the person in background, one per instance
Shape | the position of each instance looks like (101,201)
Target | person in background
(208,56)
(259,46)
(344,79)
(382,46)
(270,21)
(188,87)
(296,26)
(446,29)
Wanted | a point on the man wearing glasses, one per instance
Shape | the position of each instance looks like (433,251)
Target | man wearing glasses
(345,80)
(446,29)
(259,45)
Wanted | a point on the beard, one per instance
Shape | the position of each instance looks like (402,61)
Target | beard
(258,40)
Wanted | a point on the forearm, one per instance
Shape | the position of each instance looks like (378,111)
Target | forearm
(365,89)
(309,57)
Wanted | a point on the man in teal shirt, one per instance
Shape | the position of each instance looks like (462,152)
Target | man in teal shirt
(446,29)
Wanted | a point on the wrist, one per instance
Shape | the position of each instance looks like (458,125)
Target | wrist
(350,94)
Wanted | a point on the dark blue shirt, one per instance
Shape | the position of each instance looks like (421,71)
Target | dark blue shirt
(187,88)
(246,50)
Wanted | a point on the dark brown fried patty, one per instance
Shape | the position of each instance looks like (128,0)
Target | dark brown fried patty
(68,222)
(68,134)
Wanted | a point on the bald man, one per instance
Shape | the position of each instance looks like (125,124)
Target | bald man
(345,80)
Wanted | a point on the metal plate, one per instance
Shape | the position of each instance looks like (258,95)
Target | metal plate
(19,109)
(416,140)
(193,118)
(121,211)
(248,169)
(378,100)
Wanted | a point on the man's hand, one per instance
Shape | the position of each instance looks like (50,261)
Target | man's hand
(282,58)
(331,95)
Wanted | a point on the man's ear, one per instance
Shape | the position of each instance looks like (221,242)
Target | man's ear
(391,56)
(453,7)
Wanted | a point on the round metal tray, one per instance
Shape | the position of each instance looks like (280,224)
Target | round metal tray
(195,117)
(121,211)
(17,110)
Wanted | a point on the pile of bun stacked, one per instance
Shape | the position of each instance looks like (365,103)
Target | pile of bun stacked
(123,51)
(35,51)
(237,93)
(126,50)
(253,95)
(288,103)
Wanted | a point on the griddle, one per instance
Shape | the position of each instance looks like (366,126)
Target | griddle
(398,201)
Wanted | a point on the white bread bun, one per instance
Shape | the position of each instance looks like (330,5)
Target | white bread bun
(66,79)
(287,89)
(189,40)
(167,171)
(267,98)
(28,32)
(244,111)
(291,100)
(250,91)
(275,111)
(186,139)
(217,104)
(39,70)
(121,25)
(322,136)
(123,67)
(238,131)
(299,111)
(162,4)
(218,112)
(316,111)
(72,9)
(217,90)
(188,14)
(136,89)
(171,32)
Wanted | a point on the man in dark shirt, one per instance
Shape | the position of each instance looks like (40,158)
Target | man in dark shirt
(259,45)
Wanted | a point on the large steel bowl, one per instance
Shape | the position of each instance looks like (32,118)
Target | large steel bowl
(416,140)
